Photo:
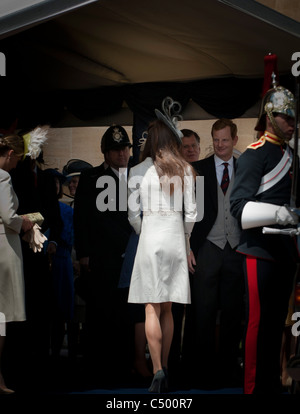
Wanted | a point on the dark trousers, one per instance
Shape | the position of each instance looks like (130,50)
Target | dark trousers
(268,288)
(107,327)
(174,363)
(217,292)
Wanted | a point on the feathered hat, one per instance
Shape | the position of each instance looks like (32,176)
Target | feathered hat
(34,141)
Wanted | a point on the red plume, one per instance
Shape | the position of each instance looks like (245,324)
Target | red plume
(270,67)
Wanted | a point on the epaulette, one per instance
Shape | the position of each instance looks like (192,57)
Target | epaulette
(257,144)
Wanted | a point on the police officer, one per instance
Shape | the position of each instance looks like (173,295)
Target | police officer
(101,236)
(261,190)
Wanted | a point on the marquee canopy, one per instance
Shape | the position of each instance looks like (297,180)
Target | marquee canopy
(91,58)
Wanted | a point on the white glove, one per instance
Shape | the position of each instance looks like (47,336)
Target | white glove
(285,216)
(39,238)
(35,238)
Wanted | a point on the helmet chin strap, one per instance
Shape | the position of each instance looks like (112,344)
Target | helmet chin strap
(276,128)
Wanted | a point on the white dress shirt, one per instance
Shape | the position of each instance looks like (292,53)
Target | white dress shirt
(220,168)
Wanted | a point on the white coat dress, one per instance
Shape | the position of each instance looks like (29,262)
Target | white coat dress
(12,292)
(160,271)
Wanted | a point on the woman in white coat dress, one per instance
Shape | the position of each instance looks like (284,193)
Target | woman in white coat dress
(161,189)
(12,300)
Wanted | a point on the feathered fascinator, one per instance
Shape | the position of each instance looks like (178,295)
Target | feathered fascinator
(171,115)
(34,141)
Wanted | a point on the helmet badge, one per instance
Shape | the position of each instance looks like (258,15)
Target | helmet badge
(117,135)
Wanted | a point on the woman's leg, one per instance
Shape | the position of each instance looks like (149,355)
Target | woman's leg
(159,332)
(167,327)
(140,342)
(154,334)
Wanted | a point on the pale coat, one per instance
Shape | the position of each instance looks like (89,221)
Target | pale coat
(160,271)
(12,299)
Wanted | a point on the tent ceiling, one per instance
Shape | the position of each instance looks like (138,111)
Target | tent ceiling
(17,15)
(117,42)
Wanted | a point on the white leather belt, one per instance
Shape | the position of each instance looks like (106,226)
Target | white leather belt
(277,173)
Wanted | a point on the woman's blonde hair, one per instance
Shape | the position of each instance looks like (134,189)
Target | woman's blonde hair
(12,142)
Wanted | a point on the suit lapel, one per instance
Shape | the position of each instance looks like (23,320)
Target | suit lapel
(211,180)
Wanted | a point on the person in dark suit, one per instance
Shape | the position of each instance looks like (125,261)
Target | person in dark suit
(36,192)
(215,270)
(102,230)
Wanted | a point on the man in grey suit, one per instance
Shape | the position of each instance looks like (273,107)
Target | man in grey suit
(215,271)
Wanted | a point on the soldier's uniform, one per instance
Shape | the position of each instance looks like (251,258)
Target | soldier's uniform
(269,261)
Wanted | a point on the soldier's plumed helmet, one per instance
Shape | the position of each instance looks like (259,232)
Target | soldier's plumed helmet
(115,137)
(277,100)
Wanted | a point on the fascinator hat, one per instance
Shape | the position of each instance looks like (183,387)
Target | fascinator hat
(34,141)
(170,117)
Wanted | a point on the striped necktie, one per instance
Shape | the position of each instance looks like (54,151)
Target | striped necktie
(225,178)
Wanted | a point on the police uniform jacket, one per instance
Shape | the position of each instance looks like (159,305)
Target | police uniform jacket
(100,235)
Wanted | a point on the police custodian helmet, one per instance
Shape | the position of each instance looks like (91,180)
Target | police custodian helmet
(115,137)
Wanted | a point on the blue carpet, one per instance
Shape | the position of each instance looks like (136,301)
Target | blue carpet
(145,391)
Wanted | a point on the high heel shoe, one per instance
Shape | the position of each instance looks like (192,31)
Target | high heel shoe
(167,376)
(3,387)
(5,391)
(159,383)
